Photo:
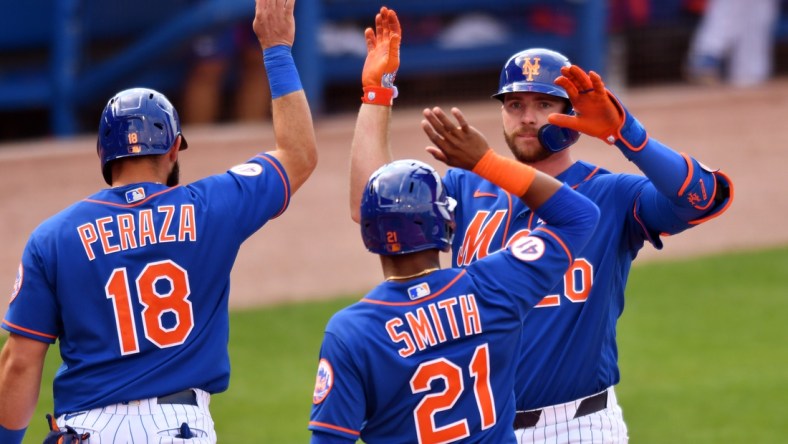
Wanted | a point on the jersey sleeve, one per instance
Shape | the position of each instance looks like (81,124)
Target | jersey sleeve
(647,212)
(680,191)
(530,266)
(319,437)
(251,193)
(33,310)
(451,182)
(338,401)
(523,272)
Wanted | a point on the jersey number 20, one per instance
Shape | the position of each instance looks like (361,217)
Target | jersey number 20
(157,300)
(451,374)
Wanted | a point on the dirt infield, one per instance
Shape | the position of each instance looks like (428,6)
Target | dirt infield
(314,249)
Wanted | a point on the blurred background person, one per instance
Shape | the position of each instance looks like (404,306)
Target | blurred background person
(733,43)
(226,59)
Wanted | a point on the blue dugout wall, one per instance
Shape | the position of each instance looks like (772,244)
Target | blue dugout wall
(48,57)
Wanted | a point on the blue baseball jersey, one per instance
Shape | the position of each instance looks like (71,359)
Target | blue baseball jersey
(134,283)
(569,339)
(433,359)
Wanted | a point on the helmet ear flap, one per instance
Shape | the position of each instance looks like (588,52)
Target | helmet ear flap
(556,138)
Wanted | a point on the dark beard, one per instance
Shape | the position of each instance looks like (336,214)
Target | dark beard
(175,176)
(541,154)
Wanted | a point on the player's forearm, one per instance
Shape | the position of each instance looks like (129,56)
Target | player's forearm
(663,166)
(599,113)
(369,150)
(296,146)
(524,181)
(21,366)
(571,215)
(692,190)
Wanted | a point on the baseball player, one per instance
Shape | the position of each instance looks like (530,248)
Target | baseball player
(568,361)
(133,281)
(734,43)
(428,355)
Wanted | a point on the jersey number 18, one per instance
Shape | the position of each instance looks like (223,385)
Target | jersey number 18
(156,301)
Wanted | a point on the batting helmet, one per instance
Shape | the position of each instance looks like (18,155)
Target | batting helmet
(405,209)
(136,122)
(535,70)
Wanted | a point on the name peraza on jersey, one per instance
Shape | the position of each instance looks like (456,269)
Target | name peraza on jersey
(130,230)
(420,330)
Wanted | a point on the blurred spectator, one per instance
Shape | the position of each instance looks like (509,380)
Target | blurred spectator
(734,43)
(473,30)
(626,14)
(226,58)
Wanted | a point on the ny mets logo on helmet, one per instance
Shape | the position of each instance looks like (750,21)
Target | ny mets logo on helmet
(531,69)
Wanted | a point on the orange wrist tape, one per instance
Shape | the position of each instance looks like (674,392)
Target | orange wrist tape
(378,95)
(511,175)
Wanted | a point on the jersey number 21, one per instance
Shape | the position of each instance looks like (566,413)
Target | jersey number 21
(451,374)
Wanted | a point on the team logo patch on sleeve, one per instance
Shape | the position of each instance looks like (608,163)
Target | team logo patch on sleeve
(247,169)
(528,248)
(323,381)
(20,274)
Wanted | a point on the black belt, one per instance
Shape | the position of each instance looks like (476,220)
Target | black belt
(592,404)
(187,397)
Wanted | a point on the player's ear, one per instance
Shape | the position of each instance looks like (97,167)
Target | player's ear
(176,146)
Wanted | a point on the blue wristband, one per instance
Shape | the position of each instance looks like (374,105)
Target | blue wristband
(282,74)
(11,436)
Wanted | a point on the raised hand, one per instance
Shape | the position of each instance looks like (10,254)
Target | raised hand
(383,42)
(382,62)
(598,111)
(274,23)
(596,115)
(457,145)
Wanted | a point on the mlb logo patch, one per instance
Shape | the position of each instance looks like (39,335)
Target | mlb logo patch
(135,195)
(419,291)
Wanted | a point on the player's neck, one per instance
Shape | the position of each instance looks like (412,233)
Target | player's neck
(122,182)
(555,164)
(410,266)
(139,170)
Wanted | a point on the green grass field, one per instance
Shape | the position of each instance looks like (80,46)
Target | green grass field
(702,350)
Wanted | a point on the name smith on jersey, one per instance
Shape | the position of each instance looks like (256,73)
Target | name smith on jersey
(435,323)
(125,231)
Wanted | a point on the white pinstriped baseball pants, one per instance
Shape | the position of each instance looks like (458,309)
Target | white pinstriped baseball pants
(557,425)
(145,422)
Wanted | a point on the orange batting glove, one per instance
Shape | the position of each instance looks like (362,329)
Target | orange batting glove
(382,63)
(598,111)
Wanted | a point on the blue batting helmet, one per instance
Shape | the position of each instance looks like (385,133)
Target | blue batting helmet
(136,122)
(532,70)
(535,70)
(405,209)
